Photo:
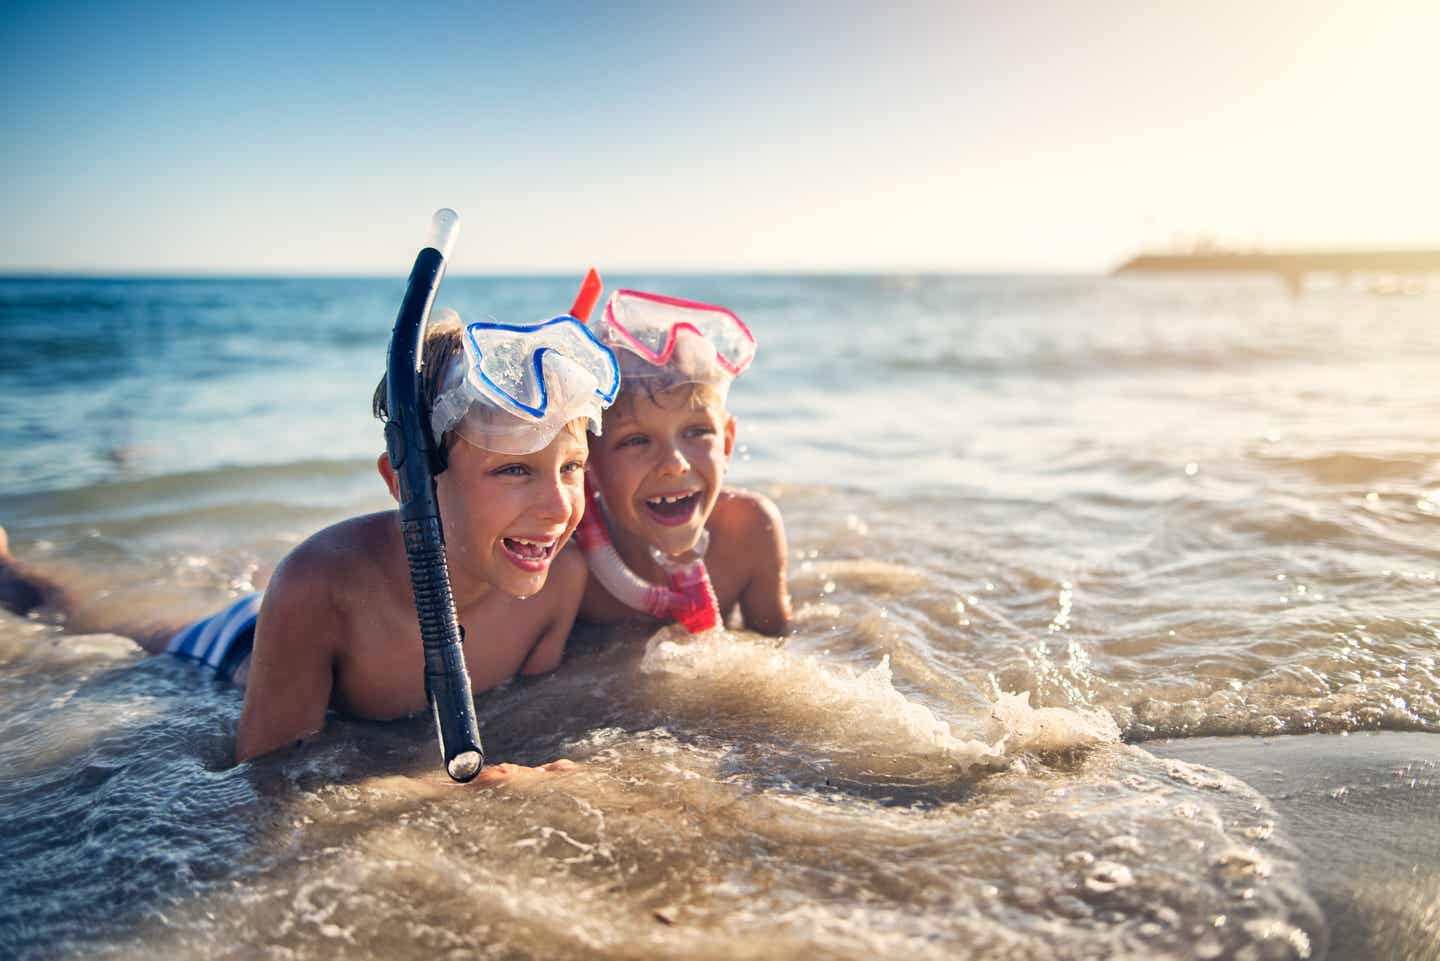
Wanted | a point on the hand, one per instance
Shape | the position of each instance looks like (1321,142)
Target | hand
(519,774)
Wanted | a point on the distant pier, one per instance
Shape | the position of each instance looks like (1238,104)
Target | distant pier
(1292,267)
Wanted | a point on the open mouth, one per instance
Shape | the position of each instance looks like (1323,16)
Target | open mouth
(530,555)
(673,509)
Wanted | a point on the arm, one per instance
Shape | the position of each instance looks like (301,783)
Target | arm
(28,592)
(569,578)
(765,599)
(291,673)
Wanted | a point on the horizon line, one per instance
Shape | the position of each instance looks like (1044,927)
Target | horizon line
(256,274)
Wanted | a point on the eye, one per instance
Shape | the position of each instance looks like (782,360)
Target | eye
(700,430)
(633,440)
(512,470)
(574,466)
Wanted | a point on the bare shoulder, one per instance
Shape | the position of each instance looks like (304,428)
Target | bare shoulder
(344,560)
(352,544)
(745,514)
(747,559)
(747,536)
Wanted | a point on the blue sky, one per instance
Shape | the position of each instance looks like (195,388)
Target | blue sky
(260,137)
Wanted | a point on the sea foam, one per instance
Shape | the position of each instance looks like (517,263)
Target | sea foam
(832,702)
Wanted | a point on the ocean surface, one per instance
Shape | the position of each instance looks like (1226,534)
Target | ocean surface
(1034,523)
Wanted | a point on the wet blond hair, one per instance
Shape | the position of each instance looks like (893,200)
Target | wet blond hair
(442,343)
(689,396)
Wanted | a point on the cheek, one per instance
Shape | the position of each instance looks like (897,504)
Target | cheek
(457,526)
(607,474)
(576,496)
(451,517)
(612,493)
(462,529)
(710,450)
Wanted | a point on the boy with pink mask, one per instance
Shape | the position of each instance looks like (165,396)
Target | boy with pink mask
(664,536)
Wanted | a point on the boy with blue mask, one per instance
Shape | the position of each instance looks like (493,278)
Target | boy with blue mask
(336,625)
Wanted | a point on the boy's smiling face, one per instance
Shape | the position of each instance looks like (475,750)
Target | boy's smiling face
(506,516)
(659,465)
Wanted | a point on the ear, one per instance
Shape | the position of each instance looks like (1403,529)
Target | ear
(382,463)
(729,438)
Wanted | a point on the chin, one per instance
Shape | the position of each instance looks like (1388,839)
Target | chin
(525,593)
(672,540)
(522,583)
(509,579)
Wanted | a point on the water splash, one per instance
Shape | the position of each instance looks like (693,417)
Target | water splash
(833,703)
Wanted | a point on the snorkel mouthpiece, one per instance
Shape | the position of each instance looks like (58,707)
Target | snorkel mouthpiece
(413,456)
(444,228)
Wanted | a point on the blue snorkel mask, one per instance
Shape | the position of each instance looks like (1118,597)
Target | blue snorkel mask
(516,386)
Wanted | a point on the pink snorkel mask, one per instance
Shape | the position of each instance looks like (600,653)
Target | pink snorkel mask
(663,342)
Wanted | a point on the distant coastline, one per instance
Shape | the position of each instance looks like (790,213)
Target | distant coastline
(1293,266)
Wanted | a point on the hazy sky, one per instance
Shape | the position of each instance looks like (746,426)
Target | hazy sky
(998,135)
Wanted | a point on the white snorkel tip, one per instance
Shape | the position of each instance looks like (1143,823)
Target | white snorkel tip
(444,228)
(465,765)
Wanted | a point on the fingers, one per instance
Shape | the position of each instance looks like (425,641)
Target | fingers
(505,773)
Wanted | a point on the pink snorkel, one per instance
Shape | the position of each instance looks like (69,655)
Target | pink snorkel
(687,597)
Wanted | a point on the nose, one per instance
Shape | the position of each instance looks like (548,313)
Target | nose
(555,500)
(673,462)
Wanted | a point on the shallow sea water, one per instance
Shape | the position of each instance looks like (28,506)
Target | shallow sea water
(1158,508)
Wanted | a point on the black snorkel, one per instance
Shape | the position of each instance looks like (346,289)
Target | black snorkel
(415,460)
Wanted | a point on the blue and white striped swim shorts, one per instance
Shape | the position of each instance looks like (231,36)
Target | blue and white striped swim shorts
(222,641)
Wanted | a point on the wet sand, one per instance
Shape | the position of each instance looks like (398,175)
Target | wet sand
(1364,812)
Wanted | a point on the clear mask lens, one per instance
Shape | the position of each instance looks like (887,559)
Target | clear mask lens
(517,386)
(696,342)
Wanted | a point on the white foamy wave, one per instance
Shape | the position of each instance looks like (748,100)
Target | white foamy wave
(863,709)
(1049,729)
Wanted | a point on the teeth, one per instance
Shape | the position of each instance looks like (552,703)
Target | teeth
(669,500)
(531,549)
